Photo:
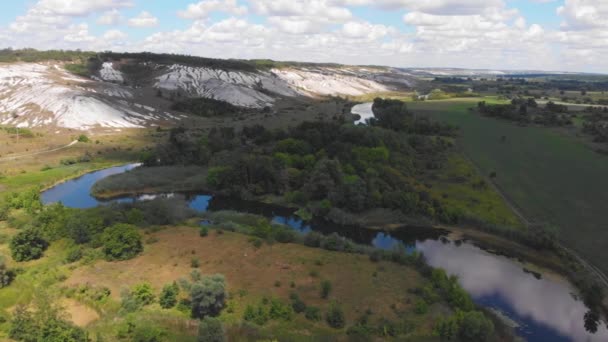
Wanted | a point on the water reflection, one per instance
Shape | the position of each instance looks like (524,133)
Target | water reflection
(544,308)
(76,192)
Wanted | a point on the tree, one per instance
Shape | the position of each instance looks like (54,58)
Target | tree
(208,296)
(210,330)
(28,245)
(335,316)
(168,296)
(121,242)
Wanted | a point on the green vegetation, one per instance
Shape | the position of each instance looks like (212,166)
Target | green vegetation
(205,107)
(529,162)
(28,245)
(43,322)
(333,170)
(18,131)
(33,55)
(526,111)
(121,241)
(335,317)
(210,330)
(208,296)
(168,296)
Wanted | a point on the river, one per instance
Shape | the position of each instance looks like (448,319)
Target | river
(544,309)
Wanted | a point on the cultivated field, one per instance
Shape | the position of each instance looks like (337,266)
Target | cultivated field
(551,176)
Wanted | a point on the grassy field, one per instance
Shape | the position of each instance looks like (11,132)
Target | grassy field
(461,187)
(271,271)
(103,150)
(252,273)
(551,177)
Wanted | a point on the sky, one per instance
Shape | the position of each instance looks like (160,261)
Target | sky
(558,35)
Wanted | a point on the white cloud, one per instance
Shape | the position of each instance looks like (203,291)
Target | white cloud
(301,17)
(438,7)
(204,8)
(143,19)
(113,35)
(111,17)
(80,7)
(460,33)
(79,34)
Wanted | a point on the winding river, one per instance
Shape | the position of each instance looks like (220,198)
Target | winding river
(543,309)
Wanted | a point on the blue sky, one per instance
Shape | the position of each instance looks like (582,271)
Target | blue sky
(567,35)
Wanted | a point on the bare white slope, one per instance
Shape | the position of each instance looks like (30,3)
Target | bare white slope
(237,87)
(36,95)
(258,89)
(328,81)
(108,73)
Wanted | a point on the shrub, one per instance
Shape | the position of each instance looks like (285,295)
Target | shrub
(468,326)
(208,296)
(280,310)
(210,330)
(168,296)
(204,231)
(195,263)
(74,254)
(335,317)
(312,313)
(476,327)
(258,315)
(325,289)
(297,304)
(6,275)
(148,333)
(83,138)
(28,245)
(143,293)
(421,307)
(121,242)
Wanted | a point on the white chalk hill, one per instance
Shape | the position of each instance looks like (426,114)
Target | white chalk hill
(44,94)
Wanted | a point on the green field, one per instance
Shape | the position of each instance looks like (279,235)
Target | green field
(550,176)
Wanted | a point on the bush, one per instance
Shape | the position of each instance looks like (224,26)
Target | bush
(6,275)
(121,242)
(280,310)
(468,326)
(143,294)
(476,327)
(148,333)
(208,296)
(83,138)
(335,317)
(28,245)
(195,263)
(258,315)
(210,330)
(325,289)
(297,304)
(168,296)
(204,231)
(421,307)
(312,313)
(74,254)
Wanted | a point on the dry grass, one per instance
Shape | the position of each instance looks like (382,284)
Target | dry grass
(78,313)
(255,272)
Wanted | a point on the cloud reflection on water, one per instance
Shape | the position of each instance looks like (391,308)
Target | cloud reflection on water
(483,274)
